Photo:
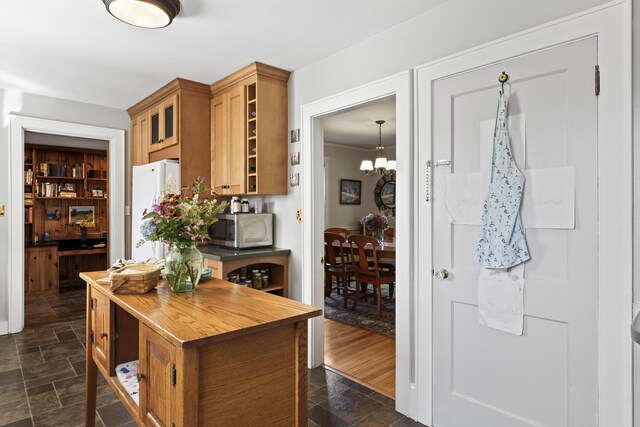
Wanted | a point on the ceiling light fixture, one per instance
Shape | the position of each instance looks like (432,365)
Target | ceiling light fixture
(381,165)
(144,13)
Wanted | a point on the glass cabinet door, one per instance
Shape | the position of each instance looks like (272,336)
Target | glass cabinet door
(163,124)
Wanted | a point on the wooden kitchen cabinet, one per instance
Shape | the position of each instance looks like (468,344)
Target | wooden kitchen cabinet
(157,373)
(278,264)
(249,147)
(173,123)
(41,270)
(228,143)
(201,360)
(100,329)
(140,139)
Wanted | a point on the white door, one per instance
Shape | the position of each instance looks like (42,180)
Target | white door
(548,376)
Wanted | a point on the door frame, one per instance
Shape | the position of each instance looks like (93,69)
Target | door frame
(313,200)
(18,126)
(611,24)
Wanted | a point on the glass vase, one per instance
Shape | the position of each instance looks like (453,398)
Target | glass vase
(183,267)
(378,233)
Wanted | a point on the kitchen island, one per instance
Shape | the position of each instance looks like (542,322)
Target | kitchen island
(223,355)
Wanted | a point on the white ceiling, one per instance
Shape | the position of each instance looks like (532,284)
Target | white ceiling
(74,49)
(357,126)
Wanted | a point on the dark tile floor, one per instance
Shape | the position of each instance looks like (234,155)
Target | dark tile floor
(67,306)
(42,384)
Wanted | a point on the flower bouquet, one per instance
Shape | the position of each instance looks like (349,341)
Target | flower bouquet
(182,219)
(374,225)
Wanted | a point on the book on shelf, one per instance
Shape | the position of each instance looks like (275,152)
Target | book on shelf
(78,171)
(28,177)
(28,215)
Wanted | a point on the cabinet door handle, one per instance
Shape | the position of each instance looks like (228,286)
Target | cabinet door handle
(160,140)
(141,376)
(104,335)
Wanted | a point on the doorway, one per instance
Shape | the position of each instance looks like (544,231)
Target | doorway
(359,337)
(20,126)
(66,223)
(312,156)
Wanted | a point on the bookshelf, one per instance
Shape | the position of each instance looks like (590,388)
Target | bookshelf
(57,178)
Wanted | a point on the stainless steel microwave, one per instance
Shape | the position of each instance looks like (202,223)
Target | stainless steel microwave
(242,230)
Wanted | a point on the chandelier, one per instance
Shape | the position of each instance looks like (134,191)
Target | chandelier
(381,165)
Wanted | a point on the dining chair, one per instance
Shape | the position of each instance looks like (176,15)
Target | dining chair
(369,272)
(338,230)
(336,265)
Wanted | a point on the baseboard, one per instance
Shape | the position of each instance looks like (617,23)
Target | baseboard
(4,328)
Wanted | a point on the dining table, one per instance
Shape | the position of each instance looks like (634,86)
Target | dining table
(385,250)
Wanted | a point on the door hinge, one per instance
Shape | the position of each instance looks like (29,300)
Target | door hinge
(91,303)
(597,80)
(91,337)
(173,374)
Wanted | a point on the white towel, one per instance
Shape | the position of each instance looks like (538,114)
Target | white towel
(501,299)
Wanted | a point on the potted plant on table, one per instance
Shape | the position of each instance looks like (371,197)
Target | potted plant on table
(182,219)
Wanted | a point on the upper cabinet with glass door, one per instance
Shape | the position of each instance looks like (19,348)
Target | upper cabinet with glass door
(164,117)
(173,123)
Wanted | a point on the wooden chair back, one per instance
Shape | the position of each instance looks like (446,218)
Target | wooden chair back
(390,233)
(360,245)
(334,254)
(338,230)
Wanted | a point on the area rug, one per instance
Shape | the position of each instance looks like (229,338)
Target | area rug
(365,315)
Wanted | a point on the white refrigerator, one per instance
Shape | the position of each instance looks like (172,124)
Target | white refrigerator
(149,182)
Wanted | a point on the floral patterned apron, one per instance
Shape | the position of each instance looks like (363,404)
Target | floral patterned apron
(502,242)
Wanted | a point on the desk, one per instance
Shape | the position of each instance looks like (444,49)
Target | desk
(224,355)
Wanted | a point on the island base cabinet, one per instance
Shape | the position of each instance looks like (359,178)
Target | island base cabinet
(157,379)
(222,356)
(255,380)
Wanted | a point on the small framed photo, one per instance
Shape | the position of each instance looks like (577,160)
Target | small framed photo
(54,212)
(295,158)
(97,192)
(79,214)
(350,191)
(69,186)
(294,179)
(295,135)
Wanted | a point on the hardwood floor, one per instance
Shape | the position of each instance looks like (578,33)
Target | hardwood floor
(365,357)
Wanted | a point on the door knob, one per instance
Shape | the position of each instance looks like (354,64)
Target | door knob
(441,274)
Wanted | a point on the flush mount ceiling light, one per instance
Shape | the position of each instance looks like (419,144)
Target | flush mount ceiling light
(381,165)
(144,13)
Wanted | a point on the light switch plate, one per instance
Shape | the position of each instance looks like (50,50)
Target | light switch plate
(295,135)
(1,211)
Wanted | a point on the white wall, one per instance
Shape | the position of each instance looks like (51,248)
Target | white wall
(343,162)
(12,101)
(444,30)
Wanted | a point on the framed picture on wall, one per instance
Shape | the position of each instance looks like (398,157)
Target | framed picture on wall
(79,214)
(350,192)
